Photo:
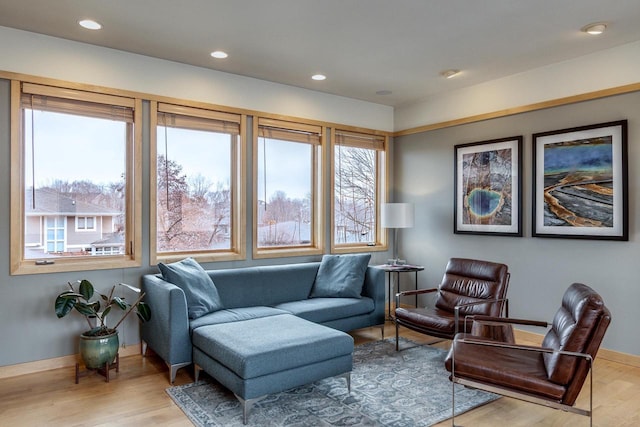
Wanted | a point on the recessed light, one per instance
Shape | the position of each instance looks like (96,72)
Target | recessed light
(318,77)
(90,24)
(449,73)
(384,92)
(594,29)
(219,54)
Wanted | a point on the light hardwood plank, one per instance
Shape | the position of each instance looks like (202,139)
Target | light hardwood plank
(136,396)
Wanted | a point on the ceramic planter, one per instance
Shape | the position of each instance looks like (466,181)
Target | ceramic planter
(96,352)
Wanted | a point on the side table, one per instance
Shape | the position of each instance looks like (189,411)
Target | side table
(397,269)
(497,331)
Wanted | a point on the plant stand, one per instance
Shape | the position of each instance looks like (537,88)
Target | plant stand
(104,371)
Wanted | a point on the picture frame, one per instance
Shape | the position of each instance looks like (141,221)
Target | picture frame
(488,187)
(580,182)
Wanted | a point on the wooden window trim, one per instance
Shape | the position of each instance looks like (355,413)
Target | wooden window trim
(208,120)
(133,238)
(295,132)
(374,141)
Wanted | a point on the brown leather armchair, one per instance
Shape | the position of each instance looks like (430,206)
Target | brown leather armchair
(468,287)
(551,375)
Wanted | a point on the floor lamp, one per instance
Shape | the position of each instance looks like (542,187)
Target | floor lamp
(396,215)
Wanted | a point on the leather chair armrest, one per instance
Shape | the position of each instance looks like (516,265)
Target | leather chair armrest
(414,292)
(511,320)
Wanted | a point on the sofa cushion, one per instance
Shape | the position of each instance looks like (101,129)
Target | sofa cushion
(322,310)
(340,276)
(228,315)
(199,290)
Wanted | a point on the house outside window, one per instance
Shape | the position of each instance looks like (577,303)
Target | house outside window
(73,151)
(359,169)
(197,184)
(287,188)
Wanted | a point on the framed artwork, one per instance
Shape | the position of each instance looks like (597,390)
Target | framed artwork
(488,187)
(580,182)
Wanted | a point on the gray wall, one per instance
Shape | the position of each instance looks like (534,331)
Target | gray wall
(541,268)
(29,329)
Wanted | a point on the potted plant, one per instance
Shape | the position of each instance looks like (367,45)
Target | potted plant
(99,345)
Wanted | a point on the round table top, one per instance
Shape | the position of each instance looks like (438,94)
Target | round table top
(400,267)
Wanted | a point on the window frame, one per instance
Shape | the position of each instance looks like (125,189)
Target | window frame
(317,231)
(370,139)
(237,250)
(133,171)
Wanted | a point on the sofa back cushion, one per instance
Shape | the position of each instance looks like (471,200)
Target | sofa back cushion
(264,285)
(572,330)
(199,290)
(340,276)
(467,280)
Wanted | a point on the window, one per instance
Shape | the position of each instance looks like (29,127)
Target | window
(74,153)
(197,187)
(55,233)
(287,188)
(85,223)
(358,190)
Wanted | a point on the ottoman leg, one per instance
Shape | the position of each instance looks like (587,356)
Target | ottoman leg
(196,371)
(347,376)
(246,407)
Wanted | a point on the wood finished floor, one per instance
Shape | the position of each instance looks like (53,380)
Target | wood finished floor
(136,396)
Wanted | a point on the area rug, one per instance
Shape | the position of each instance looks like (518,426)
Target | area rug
(388,388)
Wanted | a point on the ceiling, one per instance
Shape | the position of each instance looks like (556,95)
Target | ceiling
(362,46)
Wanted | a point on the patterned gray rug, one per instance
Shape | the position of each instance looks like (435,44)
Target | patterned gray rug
(388,388)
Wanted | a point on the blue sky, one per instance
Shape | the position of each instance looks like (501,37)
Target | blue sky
(70,148)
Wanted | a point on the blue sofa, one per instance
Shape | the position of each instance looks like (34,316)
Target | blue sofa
(250,293)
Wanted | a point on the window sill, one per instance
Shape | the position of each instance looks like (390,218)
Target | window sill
(358,248)
(200,257)
(57,265)
(285,252)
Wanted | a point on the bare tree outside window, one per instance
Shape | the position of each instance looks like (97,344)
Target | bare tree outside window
(193,190)
(359,181)
(172,191)
(355,195)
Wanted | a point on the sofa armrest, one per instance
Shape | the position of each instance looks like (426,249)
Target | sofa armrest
(167,333)
(374,288)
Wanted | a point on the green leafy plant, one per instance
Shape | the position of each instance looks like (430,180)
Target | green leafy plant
(82,300)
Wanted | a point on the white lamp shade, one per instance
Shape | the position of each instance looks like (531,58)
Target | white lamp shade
(397,215)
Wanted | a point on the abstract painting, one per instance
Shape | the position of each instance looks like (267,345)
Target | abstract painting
(580,182)
(488,187)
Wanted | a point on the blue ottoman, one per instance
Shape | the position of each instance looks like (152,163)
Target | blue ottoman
(256,357)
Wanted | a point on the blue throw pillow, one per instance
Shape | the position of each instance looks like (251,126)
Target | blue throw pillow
(340,276)
(200,291)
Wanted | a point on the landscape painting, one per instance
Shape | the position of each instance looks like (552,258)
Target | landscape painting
(488,187)
(580,182)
